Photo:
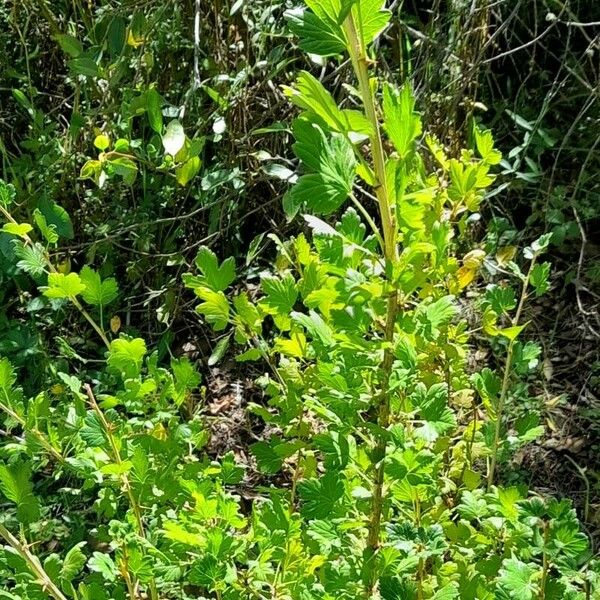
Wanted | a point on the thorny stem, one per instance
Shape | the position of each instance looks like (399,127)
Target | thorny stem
(124,570)
(133,501)
(506,378)
(388,220)
(43,579)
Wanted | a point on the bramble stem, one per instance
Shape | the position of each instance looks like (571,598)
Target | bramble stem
(388,220)
(33,562)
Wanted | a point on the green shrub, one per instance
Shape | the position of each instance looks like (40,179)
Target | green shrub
(372,475)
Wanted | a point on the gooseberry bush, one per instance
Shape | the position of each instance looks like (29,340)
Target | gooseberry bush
(382,467)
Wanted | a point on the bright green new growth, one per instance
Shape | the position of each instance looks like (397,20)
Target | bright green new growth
(374,468)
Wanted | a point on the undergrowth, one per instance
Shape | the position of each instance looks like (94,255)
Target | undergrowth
(385,472)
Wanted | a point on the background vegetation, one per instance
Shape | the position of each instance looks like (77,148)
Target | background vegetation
(87,92)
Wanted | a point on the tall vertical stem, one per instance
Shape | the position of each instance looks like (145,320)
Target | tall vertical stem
(360,64)
(506,379)
(388,220)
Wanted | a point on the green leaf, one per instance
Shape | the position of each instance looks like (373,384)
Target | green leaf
(325,191)
(124,167)
(448,592)
(370,18)
(127,355)
(394,588)
(473,505)
(402,123)
(102,142)
(208,572)
(20,229)
(247,313)
(320,497)
(7,193)
(436,314)
(434,410)
(315,326)
(321,32)
(84,65)
(569,541)
(280,297)
(516,578)
(32,258)
(268,461)
(309,143)
(325,534)
(63,286)
(102,563)
(485,146)
(174,138)
(333,11)
(316,36)
(48,231)
(57,216)
(252,354)
(501,299)
(487,384)
(73,563)
(219,351)
(153,108)
(91,169)
(116,35)
(69,44)
(337,449)
(214,276)
(92,432)
(508,499)
(186,378)
(97,292)
(15,484)
(122,145)
(7,375)
(511,333)
(311,96)
(538,246)
(539,278)
(188,170)
(215,307)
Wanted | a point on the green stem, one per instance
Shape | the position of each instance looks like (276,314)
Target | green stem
(133,501)
(388,220)
(41,438)
(506,378)
(33,562)
(360,64)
